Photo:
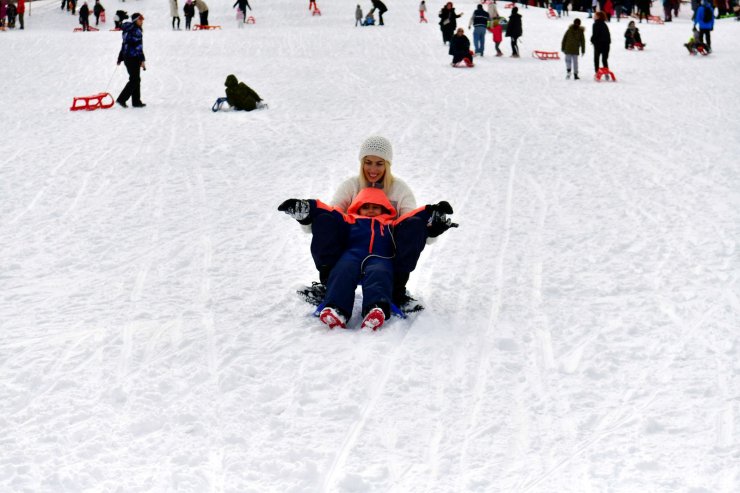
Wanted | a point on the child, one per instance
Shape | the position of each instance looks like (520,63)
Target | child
(358,15)
(422,11)
(498,35)
(189,11)
(694,45)
(369,19)
(240,96)
(632,38)
(369,248)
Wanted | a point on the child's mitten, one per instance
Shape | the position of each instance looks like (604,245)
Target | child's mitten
(438,221)
(298,209)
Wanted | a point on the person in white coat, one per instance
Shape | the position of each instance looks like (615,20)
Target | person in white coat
(175,13)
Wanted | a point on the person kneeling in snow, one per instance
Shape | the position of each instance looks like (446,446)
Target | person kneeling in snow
(240,96)
(369,248)
(460,48)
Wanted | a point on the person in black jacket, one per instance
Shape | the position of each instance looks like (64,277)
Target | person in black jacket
(381,8)
(132,55)
(243,6)
(85,17)
(460,48)
(514,31)
(448,21)
(189,11)
(601,39)
(97,10)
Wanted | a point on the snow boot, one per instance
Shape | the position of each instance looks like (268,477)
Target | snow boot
(567,76)
(332,318)
(374,319)
(575,76)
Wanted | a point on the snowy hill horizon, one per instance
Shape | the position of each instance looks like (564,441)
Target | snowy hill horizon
(581,325)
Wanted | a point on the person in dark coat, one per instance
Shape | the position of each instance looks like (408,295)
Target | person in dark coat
(239,95)
(85,17)
(643,6)
(381,8)
(243,7)
(573,41)
(704,19)
(632,36)
(514,31)
(601,39)
(97,10)
(448,21)
(132,55)
(460,48)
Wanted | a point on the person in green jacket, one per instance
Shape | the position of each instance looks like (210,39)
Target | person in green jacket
(240,96)
(573,41)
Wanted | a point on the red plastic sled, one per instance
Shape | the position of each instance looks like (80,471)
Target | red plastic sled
(89,103)
(250,20)
(201,27)
(546,55)
(655,19)
(316,11)
(605,72)
(79,29)
(551,14)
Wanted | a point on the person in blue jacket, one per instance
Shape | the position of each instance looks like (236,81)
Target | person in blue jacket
(132,55)
(369,248)
(704,19)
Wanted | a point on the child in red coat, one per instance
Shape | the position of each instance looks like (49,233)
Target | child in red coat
(498,35)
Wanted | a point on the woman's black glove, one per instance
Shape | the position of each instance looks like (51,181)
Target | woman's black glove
(438,221)
(298,209)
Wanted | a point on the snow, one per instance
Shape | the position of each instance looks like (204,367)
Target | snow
(581,330)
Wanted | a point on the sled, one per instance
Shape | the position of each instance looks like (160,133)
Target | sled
(220,102)
(250,20)
(637,46)
(510,5)
(546,55)
(316,11)
(201,27)
(116,29)
(79,29)
(702,50)
(606,73)
(655,19)
(551,14)
(394,310)
(90,103)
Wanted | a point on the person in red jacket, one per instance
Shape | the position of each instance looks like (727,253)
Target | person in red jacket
(369,246)
(21,11)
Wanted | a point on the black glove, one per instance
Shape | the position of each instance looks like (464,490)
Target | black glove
(298,209)
(438,221)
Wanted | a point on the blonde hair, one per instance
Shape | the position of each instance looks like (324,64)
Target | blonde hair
(387,175)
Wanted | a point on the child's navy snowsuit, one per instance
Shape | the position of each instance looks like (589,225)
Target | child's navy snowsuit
(368,252)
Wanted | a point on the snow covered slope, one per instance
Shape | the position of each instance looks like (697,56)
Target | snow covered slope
(581,331)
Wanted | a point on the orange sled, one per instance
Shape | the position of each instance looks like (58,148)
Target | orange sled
(89,103)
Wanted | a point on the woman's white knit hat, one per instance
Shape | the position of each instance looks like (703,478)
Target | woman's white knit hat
(377,146)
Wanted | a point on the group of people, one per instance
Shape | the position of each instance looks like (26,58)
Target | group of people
(9,11)
(482,21)
(369,19)
(371,233)
(84,14)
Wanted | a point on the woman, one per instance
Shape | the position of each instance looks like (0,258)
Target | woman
(514,31)
(601,39)
(327,244)
(448,22)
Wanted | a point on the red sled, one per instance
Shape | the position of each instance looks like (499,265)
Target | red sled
(655,19)
(201,27)
(702,50)
(316,11)
(606,73)
(465,62)
(101,100)
(250,20)
(79,29)
(551,14)
(637,46)
(509,5)
(546,55)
